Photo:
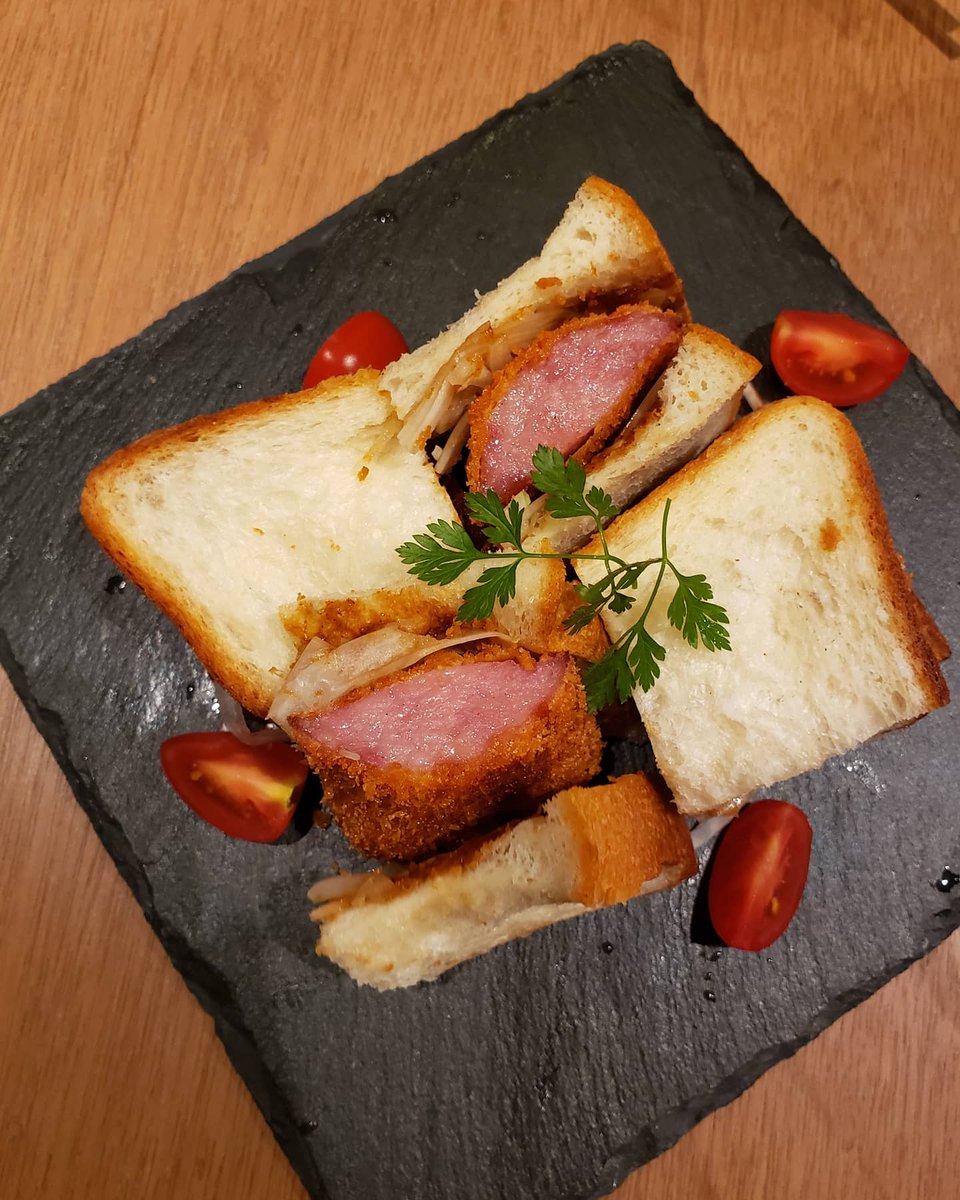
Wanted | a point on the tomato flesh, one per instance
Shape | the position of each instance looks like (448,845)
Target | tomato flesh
(834,357)
(248,792)
(758,874)
(367,339)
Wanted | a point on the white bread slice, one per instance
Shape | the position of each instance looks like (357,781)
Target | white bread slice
(603,245)
(226,521)
(783,517)
(591,847)
(695,400)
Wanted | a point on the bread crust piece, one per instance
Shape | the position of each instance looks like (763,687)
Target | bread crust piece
(393,812)
(866,500)
(630,835)
(624,445)
(483,408)
(535,617)
(590,847)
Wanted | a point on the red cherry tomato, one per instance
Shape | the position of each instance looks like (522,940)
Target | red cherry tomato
(834,357)
(248,792)
(758,874)
(367,339)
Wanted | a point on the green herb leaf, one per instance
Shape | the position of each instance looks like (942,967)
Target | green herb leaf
(690,611)
(607,681)
(580,618)
(562,483)
(500,525)
(621,602)
(643,654)
(496,585)
(441,558)
(601,503)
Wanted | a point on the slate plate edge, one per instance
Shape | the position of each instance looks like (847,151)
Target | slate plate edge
(658,1138)
(208,986)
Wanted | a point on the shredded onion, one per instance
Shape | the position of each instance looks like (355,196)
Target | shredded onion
(360,888)
(454,445)
(707,830)
(321,676)
(335,887)
(470,368)
(753,397)
(235,722)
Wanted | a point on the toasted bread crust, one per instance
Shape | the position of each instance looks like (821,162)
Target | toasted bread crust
(939,646)
(589,847)
(629,833)
(863,498)
(535,353)
(396,813)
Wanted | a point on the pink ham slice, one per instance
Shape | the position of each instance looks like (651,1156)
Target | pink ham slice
(561,398)
(443,716)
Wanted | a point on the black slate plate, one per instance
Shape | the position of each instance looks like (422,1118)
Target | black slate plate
(554,1066)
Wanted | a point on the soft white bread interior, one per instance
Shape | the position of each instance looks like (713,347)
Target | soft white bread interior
(695,400)
(603,245)
(591,847)
(783,517)
(228,520)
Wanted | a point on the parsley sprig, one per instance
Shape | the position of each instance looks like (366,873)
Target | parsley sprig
(443,554)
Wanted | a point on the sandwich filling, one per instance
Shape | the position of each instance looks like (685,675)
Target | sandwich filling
(572,388)
(440,716)
(413,760)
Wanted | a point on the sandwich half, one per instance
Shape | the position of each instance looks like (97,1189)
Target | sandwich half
(589,848)
(238,524)
(829,648)
(603,253)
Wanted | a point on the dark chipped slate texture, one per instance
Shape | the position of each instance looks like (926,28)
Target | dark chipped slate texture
(555,1065)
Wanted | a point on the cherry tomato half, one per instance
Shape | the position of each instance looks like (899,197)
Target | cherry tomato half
(367,339)
(834,357)
(758,874)
(249,792)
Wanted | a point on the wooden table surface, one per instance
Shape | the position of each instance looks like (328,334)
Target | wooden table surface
(149,149)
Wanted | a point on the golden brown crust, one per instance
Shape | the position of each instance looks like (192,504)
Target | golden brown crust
(482,409)
(863,498)
(339,621)
(396,813)
(160,446)
(629,833)
(939,646)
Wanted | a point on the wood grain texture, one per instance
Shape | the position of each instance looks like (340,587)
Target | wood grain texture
(151,149)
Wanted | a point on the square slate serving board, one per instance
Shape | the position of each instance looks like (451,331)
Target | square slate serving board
(554,1066)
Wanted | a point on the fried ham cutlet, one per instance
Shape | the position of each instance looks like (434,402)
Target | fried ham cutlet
(350,617)
(572,388)
(415,759)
